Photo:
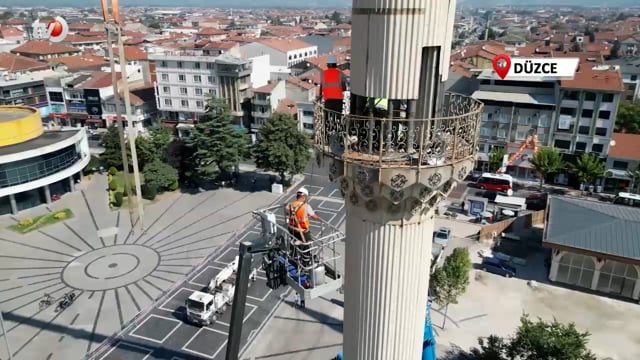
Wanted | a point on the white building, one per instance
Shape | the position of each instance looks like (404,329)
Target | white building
(187,78)
(265,101)
(283,52)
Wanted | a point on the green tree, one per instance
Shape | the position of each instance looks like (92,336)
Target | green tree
(180,156)
(587,168)
(281,147)
(154,25)
(145,151)
(634,174)
(496,157)
(615,49)
(112,155)
(628,117)
(160,138)
(536,340)
(450,281)
(547,161)
(159,175)
(218,145)
(5,15)
(336,17)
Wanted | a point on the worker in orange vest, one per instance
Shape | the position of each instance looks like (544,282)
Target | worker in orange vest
(298,213)
(332,86)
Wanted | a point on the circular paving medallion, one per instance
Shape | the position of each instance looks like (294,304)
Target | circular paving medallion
(110,267)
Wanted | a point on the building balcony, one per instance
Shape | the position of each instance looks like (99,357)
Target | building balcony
(265,102)
(260,114)
(448,139)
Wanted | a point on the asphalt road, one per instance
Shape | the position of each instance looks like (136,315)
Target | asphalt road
(164,334)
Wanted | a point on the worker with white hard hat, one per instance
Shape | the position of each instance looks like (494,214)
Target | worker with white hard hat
(298,213)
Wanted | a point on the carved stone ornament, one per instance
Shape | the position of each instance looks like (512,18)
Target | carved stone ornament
(435,179)
(424,194)
(366,190)
(333,171)
(344,185)
(398,181)
(448,186)
(371,205)
(397,196)
(433,200)
(353,197)
(362,177)
(416,207)
(462,173)
(394,208)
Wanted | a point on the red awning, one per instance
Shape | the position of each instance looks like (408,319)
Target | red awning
(95,121)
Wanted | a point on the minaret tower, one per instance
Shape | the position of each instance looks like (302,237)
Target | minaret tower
(394,166)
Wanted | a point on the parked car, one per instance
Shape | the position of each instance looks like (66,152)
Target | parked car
(498,267)
(441,236)
(537,201)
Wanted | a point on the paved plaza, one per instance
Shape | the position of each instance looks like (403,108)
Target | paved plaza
(114,272)
(164,334)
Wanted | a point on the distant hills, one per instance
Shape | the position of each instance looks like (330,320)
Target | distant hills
(186,3)
(589,3)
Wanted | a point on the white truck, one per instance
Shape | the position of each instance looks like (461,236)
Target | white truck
(202,307)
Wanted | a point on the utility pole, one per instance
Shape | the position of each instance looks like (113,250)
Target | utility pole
(113,24)
(4,333)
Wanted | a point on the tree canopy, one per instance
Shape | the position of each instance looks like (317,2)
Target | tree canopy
(547,161)
(218,145)
(628,118)
(588,168)
(145,151)
(536,340)
(495,158)
(281,147)
(336,17)
(112,155)
(159,175)
(160,138)
(450,281)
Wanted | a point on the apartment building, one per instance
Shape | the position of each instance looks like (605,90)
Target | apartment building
(630,69)
(265,101)
(185,79)
(283,52)
(574,116)
(623,158)
(513,111)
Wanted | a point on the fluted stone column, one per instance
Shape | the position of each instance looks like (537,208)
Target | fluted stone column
(389,230)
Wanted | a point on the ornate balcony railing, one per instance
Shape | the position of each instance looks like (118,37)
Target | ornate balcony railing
(448,138)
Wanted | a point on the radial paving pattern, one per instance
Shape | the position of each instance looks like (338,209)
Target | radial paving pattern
(114,272)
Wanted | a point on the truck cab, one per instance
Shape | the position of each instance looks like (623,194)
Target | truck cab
(201,308)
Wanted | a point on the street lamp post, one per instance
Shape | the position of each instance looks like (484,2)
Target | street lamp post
(4,333)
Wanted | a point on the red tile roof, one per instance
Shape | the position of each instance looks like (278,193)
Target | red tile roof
(342,42)
(80,62)
(321,61)
(285,45)
(7,32)
(100,80)
(132,53)
(13,62)
(587,78)
(36,47)
(287,106)
(81,26)
(220,45)
(209,31)
(267,89)
(627,146)
(300,83)
(79,39)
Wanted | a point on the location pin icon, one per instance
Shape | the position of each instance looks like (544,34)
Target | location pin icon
(501,65)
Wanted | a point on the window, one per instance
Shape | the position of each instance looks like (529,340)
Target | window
(163,64)
(290,57)
(166,90)
(607,98)
(584,130)
(198,91)
(180,64)
(543,121)
(199,104)
(306,54)
(56,96)
(182,78)
(597,148)
(571,95)
(562,144)
(213,92)
(601,131)
(184,103)
(209,66)
(502,133)
(164,77)
(183,91)
(523,120)
(604,114)
(167,102)
(620,165)
(197,79)
(196,65)
(307,126)
(485,131)
(586,113)
(211,79)
(568,111)
(634,77)
(521,135)
(589,96)
(581,146)
(542,138)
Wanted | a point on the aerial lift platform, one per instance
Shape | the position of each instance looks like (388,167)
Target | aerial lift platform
(310,267)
